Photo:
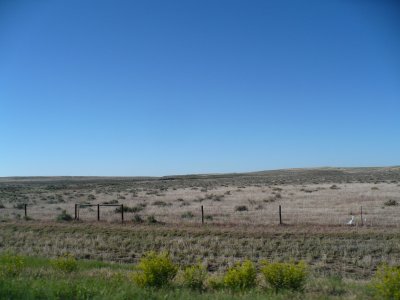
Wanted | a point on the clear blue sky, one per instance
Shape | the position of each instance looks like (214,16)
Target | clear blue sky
(197,86)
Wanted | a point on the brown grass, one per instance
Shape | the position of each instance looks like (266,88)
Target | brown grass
(301,204)
(353,252)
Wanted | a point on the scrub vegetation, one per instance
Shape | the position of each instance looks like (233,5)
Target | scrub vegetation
(307,196)
(157,277)
(162,250)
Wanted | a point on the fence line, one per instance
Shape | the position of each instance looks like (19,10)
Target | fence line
(361,215)
(83,205)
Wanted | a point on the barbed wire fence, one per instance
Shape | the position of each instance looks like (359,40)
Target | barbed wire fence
(356,215)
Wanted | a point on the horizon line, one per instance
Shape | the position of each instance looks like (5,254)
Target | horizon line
(204,174)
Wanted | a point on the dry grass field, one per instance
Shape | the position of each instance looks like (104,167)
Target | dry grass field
(307,196)
(351,252)
(241,222)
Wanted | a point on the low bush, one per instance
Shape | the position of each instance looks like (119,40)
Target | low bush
(217,198)
(65,263)
(386,282)
(241,208)
(110,202)
(391,202)
(155,270)
(11,265)
(270,199)
(152,219)
(139,207)
(333,286)
(194,277)
(241,276)
(137,219)
(285,276)
(215,282)
(199,199)
(64,216)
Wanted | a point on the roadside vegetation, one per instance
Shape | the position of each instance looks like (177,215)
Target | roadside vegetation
(156,276)
(350,252)
(99,261)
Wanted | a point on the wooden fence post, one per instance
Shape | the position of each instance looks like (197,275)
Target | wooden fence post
(280,215)
(202,215)
(122,213)
(25,209)
(362,220)
(76,205)
(98,212)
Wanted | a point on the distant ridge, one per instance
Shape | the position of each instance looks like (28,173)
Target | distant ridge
(321,171)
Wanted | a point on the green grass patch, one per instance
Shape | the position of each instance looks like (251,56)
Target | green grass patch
(37,278)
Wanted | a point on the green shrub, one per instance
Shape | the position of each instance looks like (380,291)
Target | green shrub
(137,219)
(215,282)
(386,282)
(333,286)
(152,219)
(65,263)
(64,216)
(285,276)
(155,270)
(391,202)
(241,208)
(11,265)
(139,207)
(241,276)
(194,277)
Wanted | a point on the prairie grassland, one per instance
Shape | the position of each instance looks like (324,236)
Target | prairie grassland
(320,196)
(241,218)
